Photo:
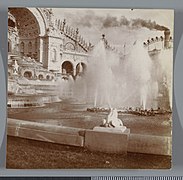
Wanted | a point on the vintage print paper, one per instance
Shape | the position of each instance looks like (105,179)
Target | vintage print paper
(89,88)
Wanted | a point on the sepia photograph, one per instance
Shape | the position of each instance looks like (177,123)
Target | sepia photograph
(89,88)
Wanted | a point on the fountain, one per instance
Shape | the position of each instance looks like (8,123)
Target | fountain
(166,69)
(114,82)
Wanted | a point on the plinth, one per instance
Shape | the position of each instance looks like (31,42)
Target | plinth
(107,140)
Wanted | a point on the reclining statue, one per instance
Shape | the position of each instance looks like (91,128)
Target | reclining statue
(112,119)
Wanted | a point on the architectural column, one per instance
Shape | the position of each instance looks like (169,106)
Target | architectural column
(41,49)
(74,71)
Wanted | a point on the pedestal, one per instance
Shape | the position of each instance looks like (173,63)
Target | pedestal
(107,140)
(110,129)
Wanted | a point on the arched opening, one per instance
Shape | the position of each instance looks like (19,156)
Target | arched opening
(31,24)
(67,67)
(54,56)
(40,77)
(48,77)
(80,68)
(12,34)
(11,23)
(69,46)
(28,74)
(30,49)
(22,46)
(9,46)
(28,28)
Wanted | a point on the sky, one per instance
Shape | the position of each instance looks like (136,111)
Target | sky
(119,25)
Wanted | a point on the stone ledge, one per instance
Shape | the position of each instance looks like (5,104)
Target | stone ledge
(150,144)
(117,130)
(42,132)
(107,142)
(91,139)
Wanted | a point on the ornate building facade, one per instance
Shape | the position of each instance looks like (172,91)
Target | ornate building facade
(35,34)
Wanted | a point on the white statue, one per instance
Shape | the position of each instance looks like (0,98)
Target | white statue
(112,119)
(80,68)
(16,67)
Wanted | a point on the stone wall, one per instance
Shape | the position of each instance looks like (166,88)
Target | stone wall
(106,142)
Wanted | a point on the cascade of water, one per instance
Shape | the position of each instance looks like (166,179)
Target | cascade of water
(100,77)
(166,69)
(114,82)
(139,67)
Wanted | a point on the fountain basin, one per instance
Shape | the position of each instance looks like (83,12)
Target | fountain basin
(113,142)
(46,132)
(108,140)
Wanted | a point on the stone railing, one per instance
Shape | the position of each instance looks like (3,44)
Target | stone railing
(155,40)
(108,46)
(72,34)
